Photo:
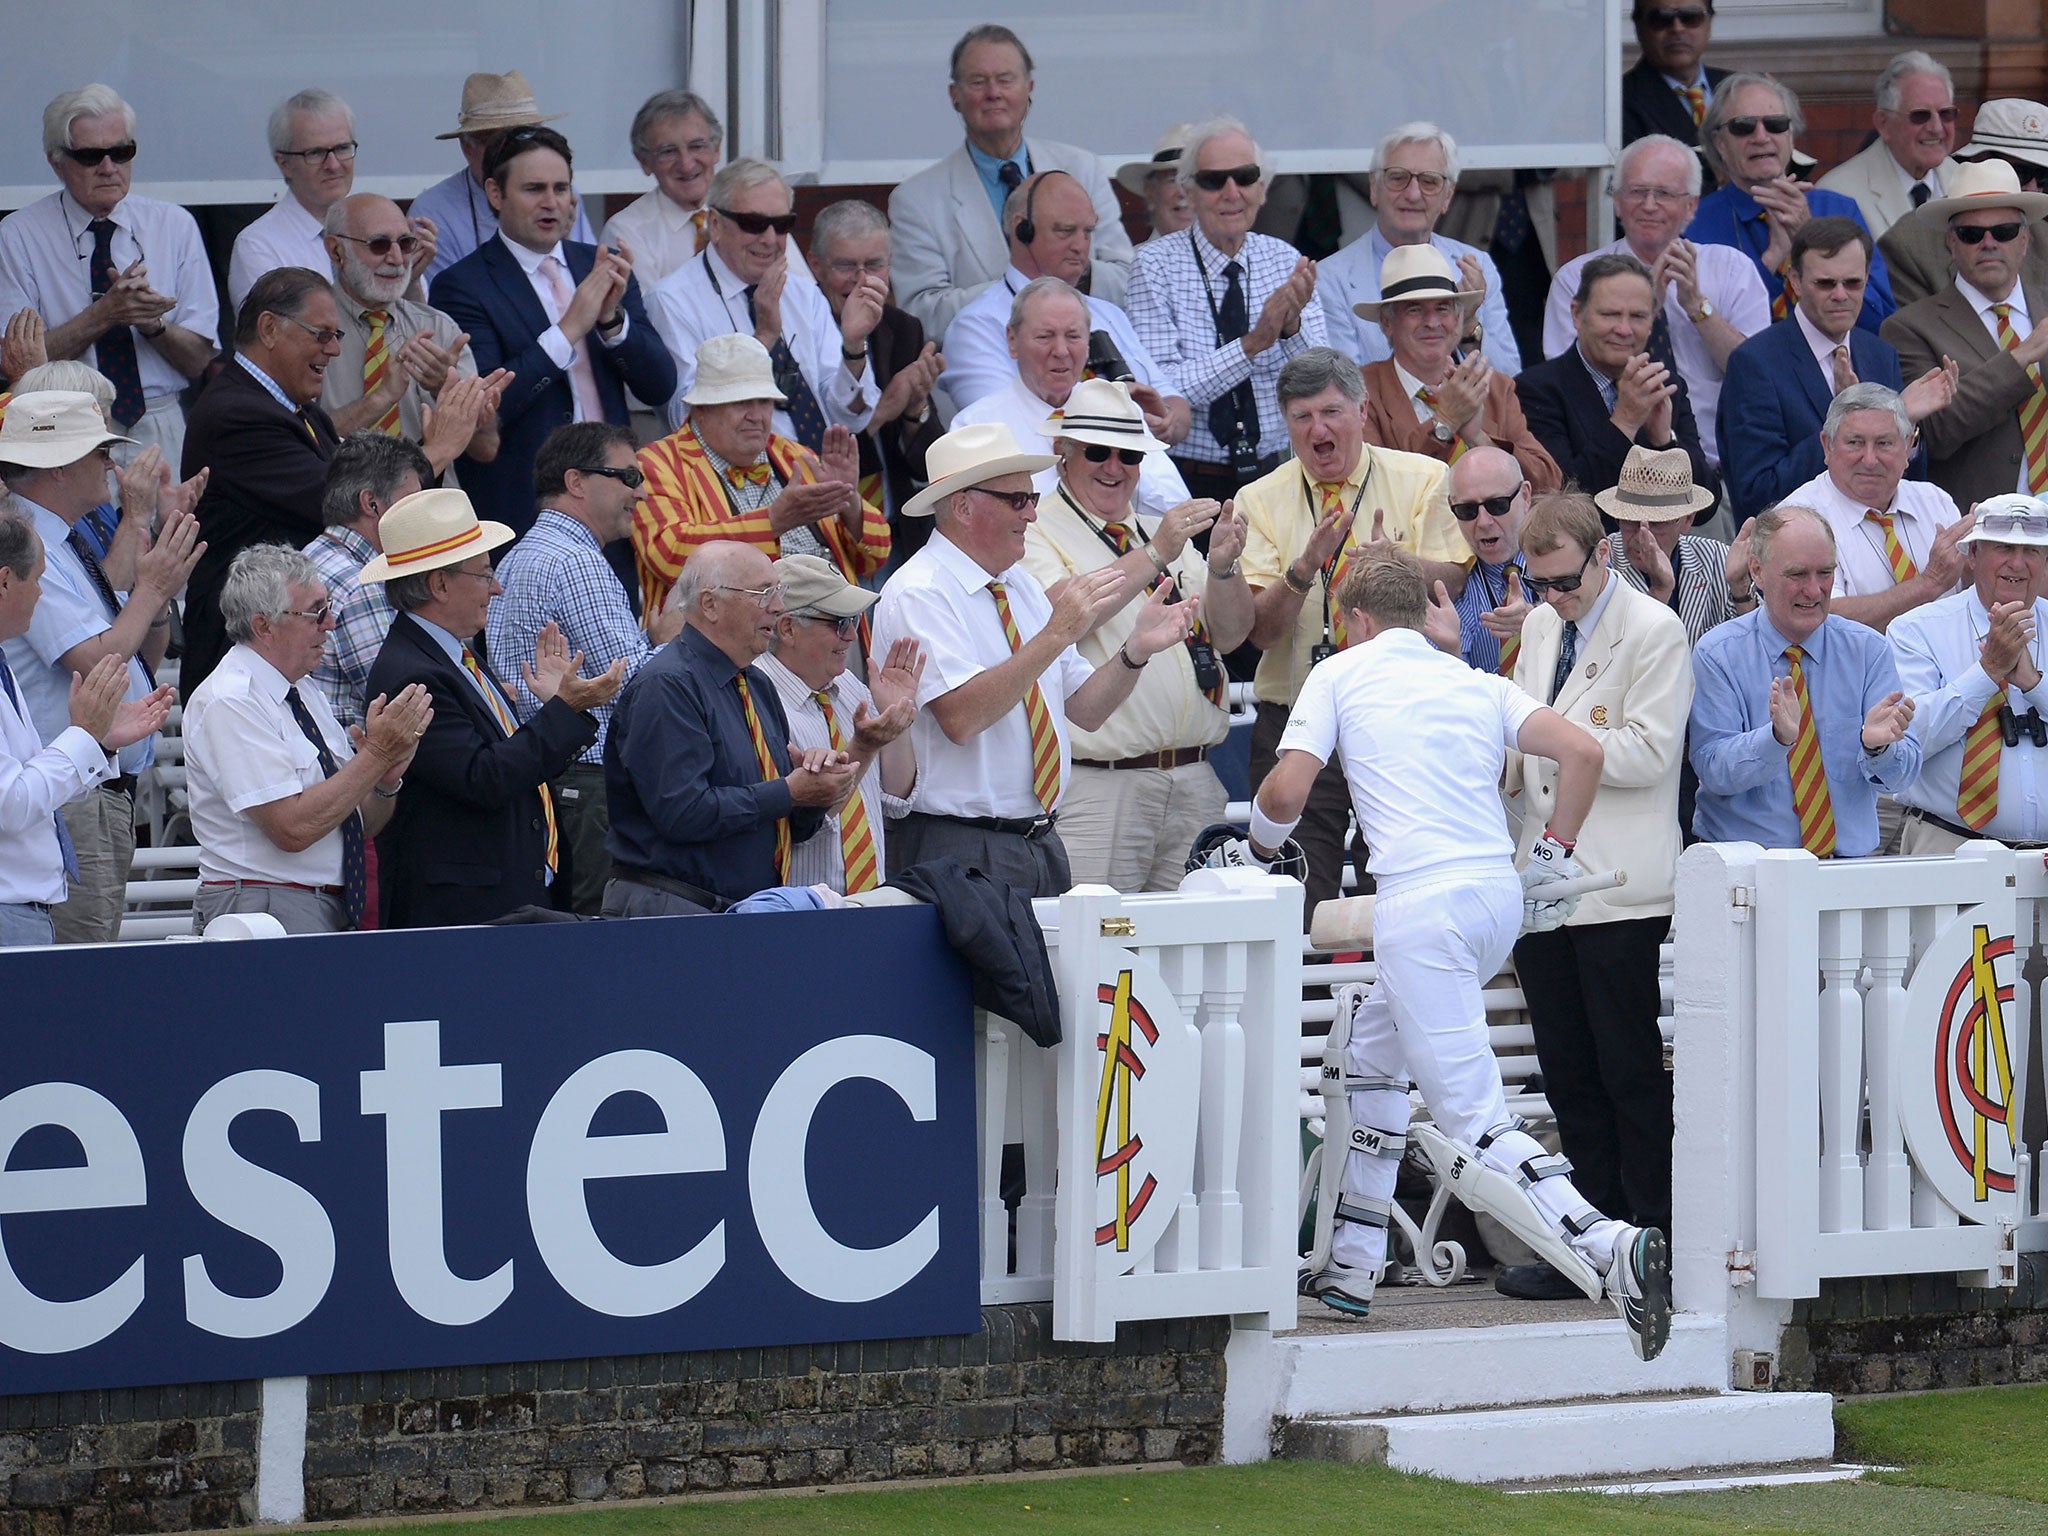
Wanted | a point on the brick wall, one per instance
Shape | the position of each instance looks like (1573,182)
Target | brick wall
(1910,1333)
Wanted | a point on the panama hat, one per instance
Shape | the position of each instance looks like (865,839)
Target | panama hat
(1133,174)
(1655,486)
(968,456)
(491,102)
(50,428)
(1417,272)
(428,530)
(1102,411)
(1981,184)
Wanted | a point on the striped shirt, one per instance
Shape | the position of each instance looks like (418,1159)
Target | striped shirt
(1702,591)
(1485,590)
(362,618)
(821,860)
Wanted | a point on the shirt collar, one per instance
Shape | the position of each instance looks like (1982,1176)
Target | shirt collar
(1815,337)
(1591,621)
(1411,386)
(777,672)
(266,679)
(529,260)
(1601,382)
(1351,481)
(990,167)
(705,649)
(961,566)
(119,215)
(1814,645)
(1741,203)
(728,281)
(352,544)
(1677,84)
(568,526)
(442,638)
(1981,302)
(673,213)
(270,386)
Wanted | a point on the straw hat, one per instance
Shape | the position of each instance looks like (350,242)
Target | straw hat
(1102,411)
(2010,519)
(809,583)
(1979,184)
(1655,486)
(50,428)
(1417,272)
(730,368)
(492,102)
(428,530)
(968,456)
(1133,174)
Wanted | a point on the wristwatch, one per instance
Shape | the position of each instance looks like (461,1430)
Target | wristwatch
(1442,430)
(1704,312)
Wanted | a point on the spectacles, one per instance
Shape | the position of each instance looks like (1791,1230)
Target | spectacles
(840,266)
(1492,506)
(477,575)
(1743,127)
(1002,82)
(1212,181)
(759,223)
(1019,501)
(764,597)
(380,245)
(846,629)
(342,152)
(120,154)
(1541,586)
(1395,178)
(319,615)
(2027,529)
(326,338)
(1650,196)
(1661,20)
(668,154)
(1098,453)
(1920,117)
(629,477)
(1973,234)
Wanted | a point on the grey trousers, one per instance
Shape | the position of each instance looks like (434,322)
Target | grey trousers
(299,911)
(1035,865)
(102,828)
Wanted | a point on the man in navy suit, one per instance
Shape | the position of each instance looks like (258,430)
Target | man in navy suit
(564,317)
(1667,90)
(1782,379)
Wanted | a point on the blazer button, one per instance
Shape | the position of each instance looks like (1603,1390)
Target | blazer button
(540,877)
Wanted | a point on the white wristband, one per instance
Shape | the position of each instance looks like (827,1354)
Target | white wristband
(1268,833)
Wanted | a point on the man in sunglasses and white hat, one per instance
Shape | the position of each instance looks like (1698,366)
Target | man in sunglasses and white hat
(2011,129)
(1972,663)
(1003,686)
(1142,788)
(1993,436)
(121,280)
(727,473)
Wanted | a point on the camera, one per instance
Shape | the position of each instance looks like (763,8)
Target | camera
(1104,361)
(1321,653)
(1208,673)
(1244,455)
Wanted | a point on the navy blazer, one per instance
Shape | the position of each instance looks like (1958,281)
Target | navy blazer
(467,841)
(1572,422)
(487,295)
(1649,106)
(1773,401)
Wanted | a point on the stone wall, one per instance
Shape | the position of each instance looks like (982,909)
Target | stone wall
(135,1459)
(1910,1333)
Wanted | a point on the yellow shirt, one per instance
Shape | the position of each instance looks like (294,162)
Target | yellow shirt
(1165,709)
(1280,512)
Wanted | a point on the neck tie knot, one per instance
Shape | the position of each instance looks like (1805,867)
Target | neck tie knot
(1010,174)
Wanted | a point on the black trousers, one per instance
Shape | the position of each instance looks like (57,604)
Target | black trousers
(1592,994)
(1323,820)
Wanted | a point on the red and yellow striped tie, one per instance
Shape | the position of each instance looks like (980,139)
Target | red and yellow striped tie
(1428,397)
(1045,741)
(1977,793)
(856,833)
(547,801)
(769,773)
(1809,773)
(698,220)
(2033,409)
(376,364)
(1696,102)
(1903,568)
(1510,652)
(1120,535)
(1329,499)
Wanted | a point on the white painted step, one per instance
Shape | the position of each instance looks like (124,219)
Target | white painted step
(1576,1441)
(1419,1370)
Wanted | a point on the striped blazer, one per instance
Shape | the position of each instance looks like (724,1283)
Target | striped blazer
(1702,595)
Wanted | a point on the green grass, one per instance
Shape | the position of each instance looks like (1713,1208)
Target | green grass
(1971,1462)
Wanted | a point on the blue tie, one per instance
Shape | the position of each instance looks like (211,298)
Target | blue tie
(64,845)
(355,882)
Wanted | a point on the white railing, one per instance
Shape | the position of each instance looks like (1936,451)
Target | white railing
(1163,1133)
(1856,1045)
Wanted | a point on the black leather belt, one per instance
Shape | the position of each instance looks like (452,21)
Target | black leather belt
(1963,832)
(1016,826)
(1169,757)
(125,785)
(682,888)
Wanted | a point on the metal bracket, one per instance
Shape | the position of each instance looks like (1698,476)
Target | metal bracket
(1119,927)
(1743,900)
(1741,1266)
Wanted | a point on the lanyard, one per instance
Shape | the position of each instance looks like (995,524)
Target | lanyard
(1202,271)
(1329,568)
(1109,543)
(724,302)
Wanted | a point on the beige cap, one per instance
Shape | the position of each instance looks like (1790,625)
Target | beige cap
(809,583)
(50,428)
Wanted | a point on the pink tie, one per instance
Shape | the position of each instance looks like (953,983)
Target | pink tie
(582,377)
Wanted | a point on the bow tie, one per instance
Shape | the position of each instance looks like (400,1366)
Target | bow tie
(747,474)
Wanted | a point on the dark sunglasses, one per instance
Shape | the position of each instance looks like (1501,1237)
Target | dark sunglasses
(380,245)
(1539,586)
(1098,453)
(1018,501)
(845,629)
(760,223)
(120,154)
(629,477)
(1212,181)
(1973,234)
(1663,21)
(1495,506)
(1743,127)
(1920,117)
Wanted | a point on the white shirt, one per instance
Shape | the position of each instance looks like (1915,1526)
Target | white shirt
(34,781)
(46,266)
(1160,487)
(1423,739)
(1352,276)
(1936,646)
(71,611)
(286,235)
(1920,510)
(463,220)
(1931,181)
(977,346)
(662,235)
(244,748)
(1727,280)
(704,298)
(939,595)
(1820,344)
(560,349)
(2020,321)
(821,858)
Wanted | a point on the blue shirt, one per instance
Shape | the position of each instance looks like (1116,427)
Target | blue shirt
(1745,774)
(990,169)
(685,790)
(1486,588)
(1732,217)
